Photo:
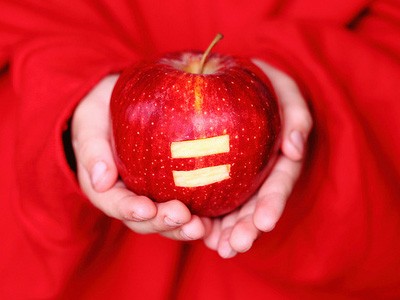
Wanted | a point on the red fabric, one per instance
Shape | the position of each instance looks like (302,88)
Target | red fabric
(338,237)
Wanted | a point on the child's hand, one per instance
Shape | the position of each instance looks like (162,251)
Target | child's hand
(237,231)
(98,175)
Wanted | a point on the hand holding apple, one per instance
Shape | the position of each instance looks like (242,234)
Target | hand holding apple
(204,129)
(234,233)
(98,176)
(237,231)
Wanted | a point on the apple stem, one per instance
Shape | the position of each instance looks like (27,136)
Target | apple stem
(217,38)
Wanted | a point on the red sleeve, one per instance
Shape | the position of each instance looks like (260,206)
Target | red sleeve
(54,53)
(338,237)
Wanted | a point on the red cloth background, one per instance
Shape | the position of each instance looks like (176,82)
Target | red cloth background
(338,237)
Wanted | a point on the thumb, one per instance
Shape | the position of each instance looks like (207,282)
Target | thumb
(296,117)
(297,124)
(91,133)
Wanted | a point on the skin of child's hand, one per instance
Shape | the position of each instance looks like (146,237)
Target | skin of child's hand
(236,232)
(98,175)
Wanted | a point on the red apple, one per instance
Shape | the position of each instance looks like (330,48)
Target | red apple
(203,129)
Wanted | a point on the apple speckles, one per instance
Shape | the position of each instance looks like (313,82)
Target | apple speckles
(163,110)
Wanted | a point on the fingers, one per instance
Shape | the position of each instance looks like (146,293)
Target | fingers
(97,175)
(245,232)
(117,202)
(212,238)
(236,232)
(243,235)
(224,248)
(172,219)
(296,117)
(192,230)
(169,215)
(227,237)
(272,196)
(297,123)
(91,135)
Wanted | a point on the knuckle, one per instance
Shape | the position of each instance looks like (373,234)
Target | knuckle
(308,121)
(302,121)
(124,214)
(82,148)
(139,227)
(274,196)
(87,148)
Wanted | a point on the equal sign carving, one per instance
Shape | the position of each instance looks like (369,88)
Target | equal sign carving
(199,148)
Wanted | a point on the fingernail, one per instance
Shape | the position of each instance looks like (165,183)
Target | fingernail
(98,172)
(297,140)
(185,236)
(170,222)
(138,218)
(227,253)
(268,226)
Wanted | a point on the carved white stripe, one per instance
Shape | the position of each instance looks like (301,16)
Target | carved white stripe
(200,147)
(201,177)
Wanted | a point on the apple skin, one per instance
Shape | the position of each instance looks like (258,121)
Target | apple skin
(158,102)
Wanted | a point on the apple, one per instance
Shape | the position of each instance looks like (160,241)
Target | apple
(201,128)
